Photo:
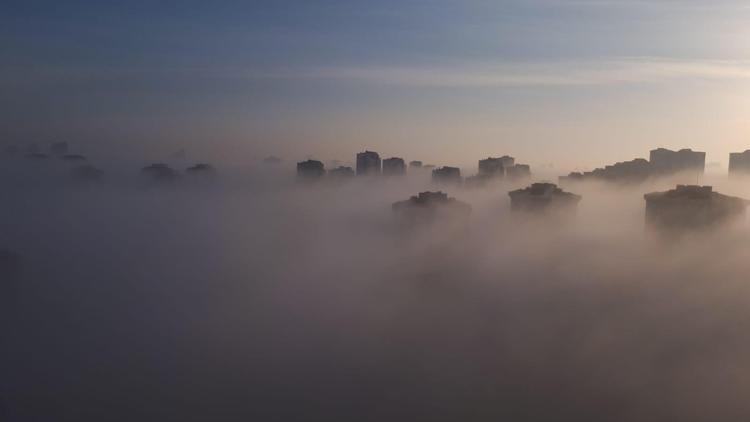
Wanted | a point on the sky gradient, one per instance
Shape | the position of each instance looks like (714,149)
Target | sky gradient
(569,84)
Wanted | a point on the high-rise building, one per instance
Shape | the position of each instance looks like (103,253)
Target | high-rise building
(518,172)
(739,163)
(491,167)
(447,175)
(664,161)
(368,163)
(691,207)
(394,167)
(542,197)
(415,165)
(310,170)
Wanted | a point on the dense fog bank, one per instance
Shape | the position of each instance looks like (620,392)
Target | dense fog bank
(253,297)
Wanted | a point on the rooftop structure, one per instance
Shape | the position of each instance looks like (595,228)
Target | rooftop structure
(415,164)
(447,175)
(430,205)
(394,167)
(341,173)
(540,197)
(690,207)
(665,161)
(159,172)
(518,172)
(310,170)
(739,163)
(368,163)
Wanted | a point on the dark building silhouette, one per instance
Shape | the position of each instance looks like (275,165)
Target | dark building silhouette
(415,164)
(427,206)
(491,167)
(668,162)
(86,173)
(663,162)
(543,197)
(637,170)
(159,172)
(58,149)
(201,168)
(518,172)
(691,207)
(310,170)
(272,160)
(341,173)
(368,164)
(394,167)
(447,175)
(739,163)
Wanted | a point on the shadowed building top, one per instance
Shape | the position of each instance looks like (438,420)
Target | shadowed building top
(429,205)
(739,163)
(368,163)
(685,160)
(447,175)
(542,197)
(394,167)
(310,170)
(689,207)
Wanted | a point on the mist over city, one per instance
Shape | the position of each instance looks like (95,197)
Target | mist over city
(521,210)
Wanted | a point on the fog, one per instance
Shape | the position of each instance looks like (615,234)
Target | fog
(252,297)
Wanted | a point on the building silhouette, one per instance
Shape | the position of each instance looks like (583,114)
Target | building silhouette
(368,164)
(543,197)
(691,207)
(662,162)
(491,168)
(447,175)
(669,162)
(394,167)
(415,165)
(428,206)
(518,172)
(159,172)
(310,170)
(739,163)
(341,173)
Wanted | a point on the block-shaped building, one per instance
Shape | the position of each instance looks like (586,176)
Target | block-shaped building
(428,206)
(394,167)
(368,164)
(690,207)
(543,197)
(310,170)
(739,163)
(447,175)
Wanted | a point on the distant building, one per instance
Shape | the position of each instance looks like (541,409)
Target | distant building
(491,167)
(518,172)
(669,162)
(394,167)
(341,173)
(272,160)
(58,149)
(368,164)
(447,175)
(310,170)
(415,164)
(739,163)
(542,197)
(427,206)
(663,162)
(159,172)
(201,169)
(690,207)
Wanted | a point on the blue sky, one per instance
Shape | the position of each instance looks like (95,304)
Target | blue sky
(577,83)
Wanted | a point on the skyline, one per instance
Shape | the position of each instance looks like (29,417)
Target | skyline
(439,81)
